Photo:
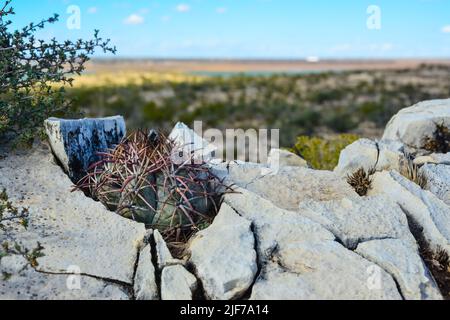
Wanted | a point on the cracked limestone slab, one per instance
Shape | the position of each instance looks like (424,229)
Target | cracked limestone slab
(368,154)
(301,259)
(358,220)
(164,257)
(438,180)
(421,206)
(24,283)
(322,271)
(283,158)
(177,283)
(404,263)
(224,256)
(434,158)
(73,229)
(289,186)
(275,227)
(144,281)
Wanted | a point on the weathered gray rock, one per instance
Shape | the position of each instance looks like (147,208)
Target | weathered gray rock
(322,271)
(76,142)
(21,282)
(290,185)
(413,125)
(370,155)
(190,143)
(164,257)
(438,181)
(73,229)
(144,281)
(360,220)
(177,283)
(441,158)
(283,158)
(421,207)
(240,172)
(281,235)
(434,158)
(224,256)
(403,262)
(275,227)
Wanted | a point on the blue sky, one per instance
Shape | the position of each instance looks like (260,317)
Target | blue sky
(254,28)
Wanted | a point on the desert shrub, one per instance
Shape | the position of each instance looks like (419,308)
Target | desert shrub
(412,172)
(340,120)
(361,181)
(322,154)
(33,74)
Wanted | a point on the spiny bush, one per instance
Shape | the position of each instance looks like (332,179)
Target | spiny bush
(322,154)
(440,141)
(33,74)
(361,181)
(411,171)
(442,257)
(142,179)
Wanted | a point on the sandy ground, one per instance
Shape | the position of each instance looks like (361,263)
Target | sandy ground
(113,65)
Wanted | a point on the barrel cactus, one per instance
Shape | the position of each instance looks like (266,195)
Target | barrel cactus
(140,179)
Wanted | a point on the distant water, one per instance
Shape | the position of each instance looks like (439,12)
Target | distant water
(229,74)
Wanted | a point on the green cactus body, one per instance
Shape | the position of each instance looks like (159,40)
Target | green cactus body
(139,181)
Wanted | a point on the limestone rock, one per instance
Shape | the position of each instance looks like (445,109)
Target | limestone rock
(369,155)
(224,256)
(421,207)
(283,158)
(322,271)
(73,229)
(144,281)
(164,257)
(403,262)
(291,185)
(441,158)
(302,260)
(360,220)
(438,181)
(21,282)
(275,227)
(177,283)
(76,142)
(434,158)
(421,160)
(242,173)
(190,143)
(414,124)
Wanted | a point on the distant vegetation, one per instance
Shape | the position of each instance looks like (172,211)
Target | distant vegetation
(325,104)
(322,154)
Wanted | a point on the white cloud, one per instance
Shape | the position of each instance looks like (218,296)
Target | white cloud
(221,10)
(165,18)
(134,19)
(92,10)
(446,29)
(183,7)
